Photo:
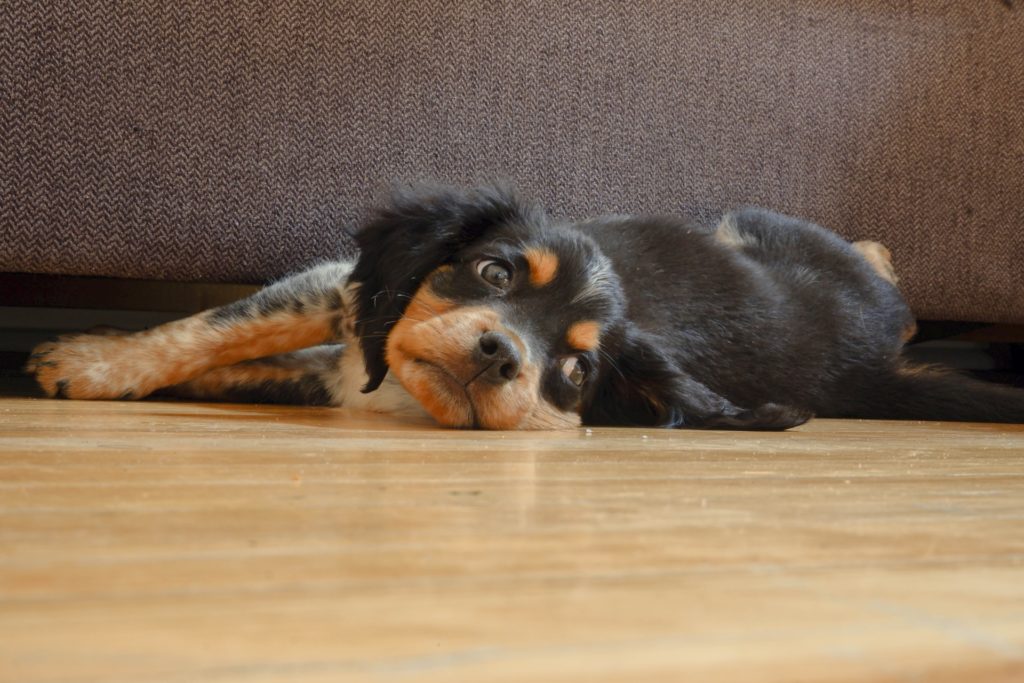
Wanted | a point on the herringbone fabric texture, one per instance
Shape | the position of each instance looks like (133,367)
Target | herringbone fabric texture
(221,141)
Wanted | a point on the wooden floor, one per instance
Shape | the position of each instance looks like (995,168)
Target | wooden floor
(176,542)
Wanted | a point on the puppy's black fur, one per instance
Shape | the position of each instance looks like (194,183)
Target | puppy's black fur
(757,327)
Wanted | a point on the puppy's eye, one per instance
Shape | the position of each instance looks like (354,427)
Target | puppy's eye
(494,273)
(574,369)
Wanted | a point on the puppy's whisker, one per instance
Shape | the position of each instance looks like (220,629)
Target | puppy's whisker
(426,305)
(416,320)
(377,295)
(611,361)
(364,321)
(422,303)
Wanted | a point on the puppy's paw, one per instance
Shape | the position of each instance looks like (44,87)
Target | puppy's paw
(86,366)
(770,417)
(775,417)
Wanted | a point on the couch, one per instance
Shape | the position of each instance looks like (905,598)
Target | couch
(215,141)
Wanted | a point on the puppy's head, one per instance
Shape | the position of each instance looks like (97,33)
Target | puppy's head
(489,315)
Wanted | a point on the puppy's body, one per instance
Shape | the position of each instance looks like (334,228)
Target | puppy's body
(478,309)
(765,309)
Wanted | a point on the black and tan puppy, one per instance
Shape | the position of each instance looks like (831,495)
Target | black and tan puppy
(480,310)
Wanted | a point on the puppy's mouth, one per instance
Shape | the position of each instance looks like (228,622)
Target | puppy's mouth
(450,385)
(453,398)
(462,403)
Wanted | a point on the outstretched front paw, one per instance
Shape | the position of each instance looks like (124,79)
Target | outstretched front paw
(86,366)
(767,417)
(776,417)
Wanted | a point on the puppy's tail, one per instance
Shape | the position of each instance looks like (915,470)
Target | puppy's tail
(924,392)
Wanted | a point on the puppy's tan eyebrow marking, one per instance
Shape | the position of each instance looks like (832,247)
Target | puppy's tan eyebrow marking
(584,335)
(543,265)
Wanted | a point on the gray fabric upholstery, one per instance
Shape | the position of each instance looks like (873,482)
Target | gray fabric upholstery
(220,141)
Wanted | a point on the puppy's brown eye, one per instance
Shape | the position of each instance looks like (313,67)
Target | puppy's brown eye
(494,273)
(574,370)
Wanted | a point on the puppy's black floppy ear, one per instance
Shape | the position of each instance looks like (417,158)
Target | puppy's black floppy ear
(645,388)
(419,231)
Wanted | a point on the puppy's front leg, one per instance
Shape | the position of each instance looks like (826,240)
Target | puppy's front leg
(701,408)
(305,377)
(767,417)
(304,310)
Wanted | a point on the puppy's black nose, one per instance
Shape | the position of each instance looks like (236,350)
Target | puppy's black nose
(498,357)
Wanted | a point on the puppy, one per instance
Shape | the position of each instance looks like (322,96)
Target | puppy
(476,308)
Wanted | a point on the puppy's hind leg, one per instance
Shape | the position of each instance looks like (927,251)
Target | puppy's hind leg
(729,233)
(305,310)
(880,258)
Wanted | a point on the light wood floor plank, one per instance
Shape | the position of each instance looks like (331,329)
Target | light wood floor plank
(178,542)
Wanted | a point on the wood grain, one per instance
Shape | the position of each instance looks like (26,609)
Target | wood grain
(178,542)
